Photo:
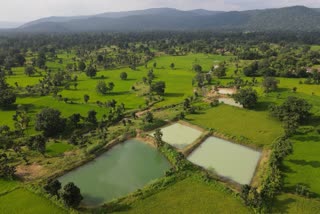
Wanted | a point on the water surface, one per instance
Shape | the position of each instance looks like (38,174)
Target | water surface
(230,160)
(179,135)
(123,169)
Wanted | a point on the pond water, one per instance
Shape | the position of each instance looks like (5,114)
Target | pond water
(179,135)
(227,159)
(230,101)
(123,169)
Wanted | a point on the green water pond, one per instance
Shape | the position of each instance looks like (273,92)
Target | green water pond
(124,169)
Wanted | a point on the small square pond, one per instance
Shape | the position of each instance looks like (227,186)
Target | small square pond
(179,135)
(123,169)
(230,160)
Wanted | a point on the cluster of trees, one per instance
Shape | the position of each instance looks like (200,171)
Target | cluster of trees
(285,61)
(292,113)
(247,97)
(272,183)
(70,194)
(103,88)
(6,170)
(7,94)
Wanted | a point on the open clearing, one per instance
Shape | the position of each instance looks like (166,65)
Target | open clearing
(227,159)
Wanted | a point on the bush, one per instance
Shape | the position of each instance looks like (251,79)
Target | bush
(151,126)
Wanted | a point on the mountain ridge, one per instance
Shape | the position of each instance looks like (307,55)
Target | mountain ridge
(289,18)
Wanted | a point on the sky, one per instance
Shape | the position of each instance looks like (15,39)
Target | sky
(28,10)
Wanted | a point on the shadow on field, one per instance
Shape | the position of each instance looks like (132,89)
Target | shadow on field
(284,205)
(314,138)
(314,120)
(287,169)
(174,94)
(119,93)
(263,106)
(314,164)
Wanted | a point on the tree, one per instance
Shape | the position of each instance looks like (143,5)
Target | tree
(7,97)
(208,78)
(82,66)
(270,84)
(92,117)
(50,122)
(248,97)
(292,113)
(75,119)
(41,60)
(123,75)
(91,71)
(37,143)
(71,195)
(172,65)
(291,107)
(86,98)
(220,71)
(100,58)
(197,68)
(149,117)
(158,87)
(52,187)
(101,87)
(6,171)
(29,70)
(158,137)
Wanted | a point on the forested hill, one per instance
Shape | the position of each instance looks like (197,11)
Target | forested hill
(297,18)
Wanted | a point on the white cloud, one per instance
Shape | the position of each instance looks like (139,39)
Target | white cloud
(26,10)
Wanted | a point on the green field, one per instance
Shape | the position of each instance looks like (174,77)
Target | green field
(6,186)
(23,201)
(189,196)
(54,149)
(178,86)
(303,166)
(258,127)
(292,204)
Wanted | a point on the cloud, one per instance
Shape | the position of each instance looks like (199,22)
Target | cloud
(26,10)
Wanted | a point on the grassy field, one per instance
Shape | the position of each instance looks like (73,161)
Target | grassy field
(292,204)
(23,201)
(6,186)
(303,166)
(55,149)
(178,86)
(258,127)
(189,196)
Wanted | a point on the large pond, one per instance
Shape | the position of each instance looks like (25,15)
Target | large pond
(227,159)
(124,169)
(179,135)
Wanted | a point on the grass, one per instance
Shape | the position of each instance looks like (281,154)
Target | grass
(23,201)
(303,166)
(292,204)
(55,149)
(7,185)
(178,86)
(256,126)
(189,196)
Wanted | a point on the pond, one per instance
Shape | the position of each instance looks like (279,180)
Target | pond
(179,135)
(227,159)
(230,101)
(123,169)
